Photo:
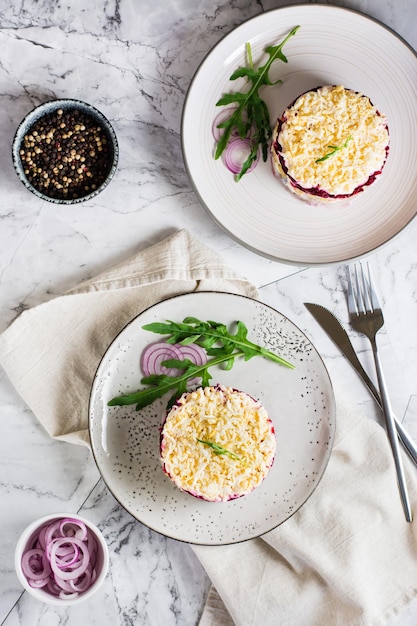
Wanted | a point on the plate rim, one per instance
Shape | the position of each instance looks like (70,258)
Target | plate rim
(332,418)
(247,245)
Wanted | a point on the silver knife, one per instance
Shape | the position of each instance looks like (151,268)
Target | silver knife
(337,333)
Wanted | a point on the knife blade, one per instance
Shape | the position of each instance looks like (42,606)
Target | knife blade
(334,329)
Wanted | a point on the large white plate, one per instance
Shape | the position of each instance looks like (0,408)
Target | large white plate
(300,402)
(333,46)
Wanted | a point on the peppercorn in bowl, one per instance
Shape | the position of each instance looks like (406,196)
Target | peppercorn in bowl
(65,151)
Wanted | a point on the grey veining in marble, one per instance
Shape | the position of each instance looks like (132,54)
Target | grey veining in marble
(134,61)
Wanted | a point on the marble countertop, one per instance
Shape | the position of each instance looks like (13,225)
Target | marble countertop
(135,61)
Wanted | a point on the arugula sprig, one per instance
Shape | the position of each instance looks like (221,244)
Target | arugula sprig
(251,110)
(160,384)
(334,149)
(218,449)
(220,344)
(215,338)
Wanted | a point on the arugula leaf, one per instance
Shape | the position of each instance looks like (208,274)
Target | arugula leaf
(334,149)
(251,110)
(160,384)
(217,449)
(215,338)
(224,347)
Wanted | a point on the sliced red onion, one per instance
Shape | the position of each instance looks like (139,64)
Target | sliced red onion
(92,547)
(68,596)
(83,582)
(67,556)
(236,153)
(197,355)
(73,572)
(51,532)
(61,558)
(38,584)
(156,353)
(53,588)
(63,585)
(194,352)
(41,537)
(34,565)
(222,116)
(73,528)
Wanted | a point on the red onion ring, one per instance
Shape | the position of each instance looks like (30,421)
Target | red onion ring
(68,596)
(74,528)
(51,531)
(80,566)
(156,353)
(67,556)
(38,584)
(35,564)
(53,588)
(236,153)
(61,558)
(194,352)
(197,355)
(41,542)
(222,116)
(83,582)
(63,585)
(92,547)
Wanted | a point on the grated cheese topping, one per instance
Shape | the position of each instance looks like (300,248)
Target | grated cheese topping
(226,417)
(338,117)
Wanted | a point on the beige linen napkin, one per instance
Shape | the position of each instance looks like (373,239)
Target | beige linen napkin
(51,352)
(347,558)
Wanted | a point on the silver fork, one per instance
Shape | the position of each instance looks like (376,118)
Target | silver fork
(365,315)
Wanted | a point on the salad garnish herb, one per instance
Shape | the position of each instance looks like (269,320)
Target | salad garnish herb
(334,149)
(251,111)
(217,449)
(220,344)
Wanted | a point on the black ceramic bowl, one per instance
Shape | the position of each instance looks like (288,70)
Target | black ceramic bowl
(65,151)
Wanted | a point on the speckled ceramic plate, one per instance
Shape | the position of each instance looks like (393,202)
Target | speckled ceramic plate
(334,45)
(300,402)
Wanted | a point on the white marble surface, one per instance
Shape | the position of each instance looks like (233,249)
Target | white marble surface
(134,61)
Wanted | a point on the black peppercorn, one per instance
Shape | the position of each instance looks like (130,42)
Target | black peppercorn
(66,154)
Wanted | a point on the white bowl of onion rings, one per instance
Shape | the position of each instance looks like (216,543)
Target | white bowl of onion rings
(61,559)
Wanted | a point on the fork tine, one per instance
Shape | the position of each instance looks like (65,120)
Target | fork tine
(360,291)
(352,303)
(363,288)
(362,296)
(372,291)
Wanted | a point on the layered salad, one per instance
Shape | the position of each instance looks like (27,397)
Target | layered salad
(330,144)
(217,443)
